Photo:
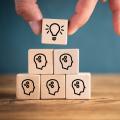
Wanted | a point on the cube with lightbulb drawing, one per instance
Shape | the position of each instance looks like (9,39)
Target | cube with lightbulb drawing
(54,31)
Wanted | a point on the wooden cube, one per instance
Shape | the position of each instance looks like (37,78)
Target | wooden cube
(78,86)
(54,31)
(40,61)
(27,86)
(52,86)
(66,61)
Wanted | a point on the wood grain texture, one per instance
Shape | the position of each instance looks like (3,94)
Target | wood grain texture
(54,31)
(104,105)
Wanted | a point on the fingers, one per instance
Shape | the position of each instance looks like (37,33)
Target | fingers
(115,8)
(83,11)
(36,26)
(31,13)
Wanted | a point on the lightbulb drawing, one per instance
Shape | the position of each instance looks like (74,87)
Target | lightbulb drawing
(54,29)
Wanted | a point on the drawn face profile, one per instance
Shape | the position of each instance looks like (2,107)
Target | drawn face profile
(28,86)
(52,86)
(78,86)
(40,61)
(66,61)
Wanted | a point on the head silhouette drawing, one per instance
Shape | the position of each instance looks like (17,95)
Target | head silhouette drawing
(28,86)
(40,61)
(66,61)
(52,86)
(78,86)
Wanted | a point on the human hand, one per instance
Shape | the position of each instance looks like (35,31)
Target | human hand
(84,9)
(30,11)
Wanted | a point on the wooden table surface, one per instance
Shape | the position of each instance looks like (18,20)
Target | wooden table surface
(104,105)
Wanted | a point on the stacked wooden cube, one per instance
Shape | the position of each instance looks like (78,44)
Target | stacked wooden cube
(53,73)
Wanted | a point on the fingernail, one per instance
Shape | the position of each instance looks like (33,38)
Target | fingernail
(35,26)
(71,31)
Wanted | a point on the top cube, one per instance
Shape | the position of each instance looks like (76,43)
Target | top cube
(54,31)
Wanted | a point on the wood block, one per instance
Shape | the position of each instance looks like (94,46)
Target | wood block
(66,61)
(27,86)
(78,86)
(52,86)
(40,61)
(54,31)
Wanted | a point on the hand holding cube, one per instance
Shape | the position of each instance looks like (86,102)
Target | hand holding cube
(53,73)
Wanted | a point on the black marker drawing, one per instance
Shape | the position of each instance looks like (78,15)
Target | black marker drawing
(52,86)
(40,61)
(28,86)
(54,29)
(78,86)
(66,61)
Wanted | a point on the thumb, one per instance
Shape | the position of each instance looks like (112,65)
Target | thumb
(30,12)
(83,11)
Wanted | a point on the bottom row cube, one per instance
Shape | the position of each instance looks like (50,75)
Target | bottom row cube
(30,86)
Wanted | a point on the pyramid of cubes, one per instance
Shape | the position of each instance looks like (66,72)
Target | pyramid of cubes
(53,73)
